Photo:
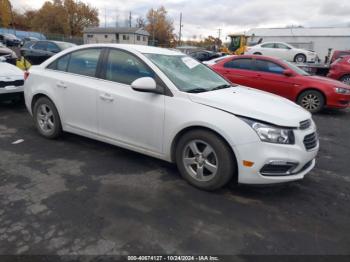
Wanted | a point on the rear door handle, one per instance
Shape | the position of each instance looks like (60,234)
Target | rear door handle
(107,97)
(61,85)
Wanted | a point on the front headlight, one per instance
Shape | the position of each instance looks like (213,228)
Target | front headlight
(343,91)
(270,133)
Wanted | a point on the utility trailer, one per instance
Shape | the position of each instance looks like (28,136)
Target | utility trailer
(322,69)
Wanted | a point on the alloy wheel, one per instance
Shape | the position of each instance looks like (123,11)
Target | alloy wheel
(45,118)
(300,59)
(311,102)
(200,160)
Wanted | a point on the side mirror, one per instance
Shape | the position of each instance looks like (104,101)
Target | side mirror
(144,84)
(288,73)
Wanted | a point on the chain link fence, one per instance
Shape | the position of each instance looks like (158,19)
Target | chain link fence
(71,39)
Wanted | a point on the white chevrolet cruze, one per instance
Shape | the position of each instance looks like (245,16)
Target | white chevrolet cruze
(167,105)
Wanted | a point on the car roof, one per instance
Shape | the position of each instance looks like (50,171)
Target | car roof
(275,42)
(138,48)
(261,57)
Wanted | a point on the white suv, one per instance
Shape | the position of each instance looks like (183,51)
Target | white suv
(167,105)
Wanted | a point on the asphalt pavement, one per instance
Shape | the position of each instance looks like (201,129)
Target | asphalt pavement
(81,197)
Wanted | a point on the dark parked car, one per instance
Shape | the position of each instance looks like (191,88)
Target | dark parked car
(8,54)
(28,39)
(37,52)
(204,55)
(10,40)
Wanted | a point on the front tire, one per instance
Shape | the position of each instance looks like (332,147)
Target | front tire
(46,118)
(300,58)
(312,100)
(345,79)
(205,160)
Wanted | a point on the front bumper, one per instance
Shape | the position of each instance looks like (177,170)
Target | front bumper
(261,154)
(11,90)
(338,101)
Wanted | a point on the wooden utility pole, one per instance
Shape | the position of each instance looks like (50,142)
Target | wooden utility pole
(130,21)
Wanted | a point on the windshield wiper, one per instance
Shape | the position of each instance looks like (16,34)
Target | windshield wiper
(197,90)
(221,87)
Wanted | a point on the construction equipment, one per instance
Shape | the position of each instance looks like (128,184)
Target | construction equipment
(237,45)
(23,64)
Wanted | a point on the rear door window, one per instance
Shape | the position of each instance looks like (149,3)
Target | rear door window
(52,47)
(268,67)
(281,46)
(245,64)
(60,64)
(41,45)
(84,62)
(271,45)
(125,68)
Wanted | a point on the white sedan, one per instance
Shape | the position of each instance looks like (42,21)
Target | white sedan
(168,105)
(11,81)
(283,51)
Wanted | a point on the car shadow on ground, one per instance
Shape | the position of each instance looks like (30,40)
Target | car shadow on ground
(129,162)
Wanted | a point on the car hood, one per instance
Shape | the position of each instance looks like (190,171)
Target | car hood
(8,70)
(330,81)
(7,51)
(256,104)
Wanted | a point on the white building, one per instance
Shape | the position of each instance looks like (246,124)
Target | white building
(319,40)
(122,35)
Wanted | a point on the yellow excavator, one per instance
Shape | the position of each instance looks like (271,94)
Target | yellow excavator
(237,44)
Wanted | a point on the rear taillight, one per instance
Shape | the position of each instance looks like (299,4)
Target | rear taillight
(26,75)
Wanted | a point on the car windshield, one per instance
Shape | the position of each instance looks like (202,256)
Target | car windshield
(64,45)
(188,74)
(296,69)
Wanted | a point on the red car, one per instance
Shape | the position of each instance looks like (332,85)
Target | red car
(285,79)
(340,70)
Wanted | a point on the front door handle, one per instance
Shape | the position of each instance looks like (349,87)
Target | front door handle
(61,85)
(107,97)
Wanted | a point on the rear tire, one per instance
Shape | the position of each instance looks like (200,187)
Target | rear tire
(205,160)
(345,79)
(311,100)
(47,119)
(300,58)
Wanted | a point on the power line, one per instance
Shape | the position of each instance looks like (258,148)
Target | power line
(219,32)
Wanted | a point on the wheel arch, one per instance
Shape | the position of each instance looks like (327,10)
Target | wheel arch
(36,97)
(312,89)
(295,56)
(343,75)
(39,95)
(199,127)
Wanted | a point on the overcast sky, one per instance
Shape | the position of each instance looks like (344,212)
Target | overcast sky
(205,17)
